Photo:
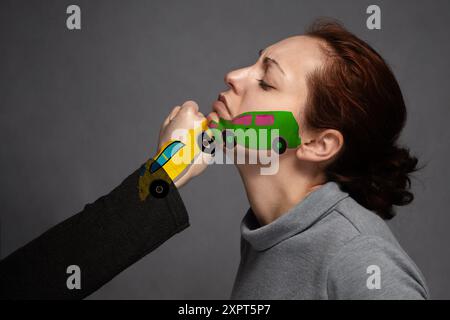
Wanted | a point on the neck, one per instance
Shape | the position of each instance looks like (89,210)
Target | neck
(271,196)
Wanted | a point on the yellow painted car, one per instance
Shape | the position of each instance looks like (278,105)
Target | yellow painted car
(172,159)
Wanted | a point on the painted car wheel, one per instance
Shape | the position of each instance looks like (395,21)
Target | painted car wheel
(279,145)
(206,143)
(159,188)
(229,139)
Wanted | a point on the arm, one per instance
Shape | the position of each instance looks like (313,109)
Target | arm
(107,236)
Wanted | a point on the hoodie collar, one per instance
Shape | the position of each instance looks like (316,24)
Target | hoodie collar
(311,209)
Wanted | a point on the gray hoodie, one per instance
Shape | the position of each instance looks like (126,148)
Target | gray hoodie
(326,247)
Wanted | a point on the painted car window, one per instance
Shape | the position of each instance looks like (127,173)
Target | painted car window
(245,120)
(264,120)
(173,148)
(168,153)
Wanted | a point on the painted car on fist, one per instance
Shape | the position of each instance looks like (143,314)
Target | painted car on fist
(171,160)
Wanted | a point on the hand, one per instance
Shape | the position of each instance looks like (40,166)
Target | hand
(176,127)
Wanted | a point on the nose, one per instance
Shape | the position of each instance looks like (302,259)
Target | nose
(229,80)
(236,80)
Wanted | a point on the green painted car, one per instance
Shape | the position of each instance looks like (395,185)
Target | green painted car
(234,131)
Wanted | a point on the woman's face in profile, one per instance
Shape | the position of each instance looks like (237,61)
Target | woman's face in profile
(277,81)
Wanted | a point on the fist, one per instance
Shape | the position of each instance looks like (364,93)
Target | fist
(180,124)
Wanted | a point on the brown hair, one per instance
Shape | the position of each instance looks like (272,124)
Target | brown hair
(356,93)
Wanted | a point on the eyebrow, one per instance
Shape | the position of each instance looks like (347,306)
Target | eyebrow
(268,61)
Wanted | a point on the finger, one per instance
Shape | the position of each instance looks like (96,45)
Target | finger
(166,122)
(200,115)
(190,106)
(170,117)
(174,112)
(213,116)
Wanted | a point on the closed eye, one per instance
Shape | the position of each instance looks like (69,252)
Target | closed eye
(264,85)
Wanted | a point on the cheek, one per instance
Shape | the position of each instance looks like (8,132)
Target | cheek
(258,101)
(297,102)
(270,101)
(302,121)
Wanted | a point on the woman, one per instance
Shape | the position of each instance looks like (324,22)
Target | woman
(320,235)
(315,229)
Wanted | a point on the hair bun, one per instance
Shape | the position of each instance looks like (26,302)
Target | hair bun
(388,181)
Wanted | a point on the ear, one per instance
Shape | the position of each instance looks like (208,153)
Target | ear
(322,147)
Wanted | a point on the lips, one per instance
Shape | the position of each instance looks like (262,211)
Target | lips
(221,107)
(221,97)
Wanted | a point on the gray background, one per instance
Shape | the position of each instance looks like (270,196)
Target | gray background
(80,110)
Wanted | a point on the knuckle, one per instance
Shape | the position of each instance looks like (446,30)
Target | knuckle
(190,102)
(190,105)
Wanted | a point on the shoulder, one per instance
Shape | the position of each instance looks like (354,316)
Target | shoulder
(370,252)
(370,267)
(362,220)
(348,220)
